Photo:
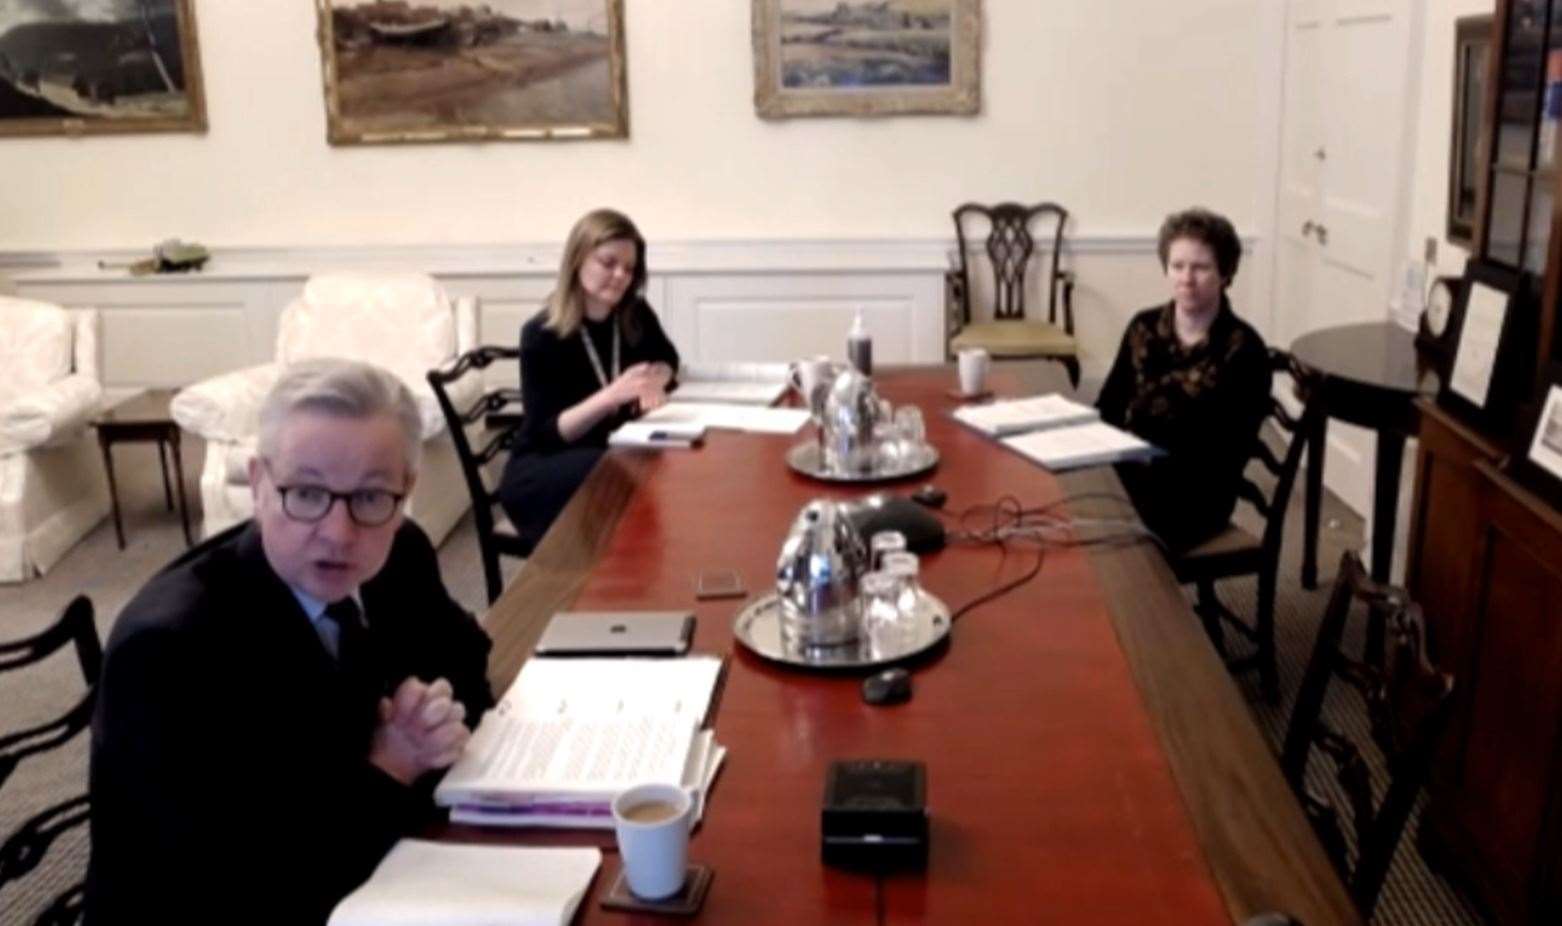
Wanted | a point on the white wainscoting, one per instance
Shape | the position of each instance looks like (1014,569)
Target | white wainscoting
(720,301)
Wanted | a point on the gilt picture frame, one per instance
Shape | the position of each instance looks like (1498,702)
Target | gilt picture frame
(450,71)
(866,57)
(71,67)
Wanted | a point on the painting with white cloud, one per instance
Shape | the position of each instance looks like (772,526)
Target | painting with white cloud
(83,66)
(444,70)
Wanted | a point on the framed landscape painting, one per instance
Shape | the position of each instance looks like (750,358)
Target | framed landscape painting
(456,70)
(866,57)
(74,67)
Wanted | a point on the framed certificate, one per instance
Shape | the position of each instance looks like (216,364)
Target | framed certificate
(1492,354)
(1538,464)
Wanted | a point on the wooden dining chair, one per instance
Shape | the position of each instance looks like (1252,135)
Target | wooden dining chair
(1006,332)
(1237,552)
(492,540)
(1408,704)
(26,847)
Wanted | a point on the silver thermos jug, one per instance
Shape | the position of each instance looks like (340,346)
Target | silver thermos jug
(816,577)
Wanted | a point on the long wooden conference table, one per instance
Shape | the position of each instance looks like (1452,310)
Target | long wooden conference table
(1088,758)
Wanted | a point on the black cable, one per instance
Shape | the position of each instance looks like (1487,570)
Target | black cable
(991,594)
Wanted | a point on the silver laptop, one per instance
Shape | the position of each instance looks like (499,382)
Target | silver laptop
(617,633)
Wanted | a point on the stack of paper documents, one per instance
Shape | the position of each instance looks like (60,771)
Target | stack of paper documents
(1081,445)
(571,733)
(423,883)
(741,383)
(727,416)
(1016,416)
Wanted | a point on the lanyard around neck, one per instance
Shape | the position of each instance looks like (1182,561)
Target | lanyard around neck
(596,361)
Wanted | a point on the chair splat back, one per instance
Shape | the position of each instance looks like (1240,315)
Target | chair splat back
(1408,702)
(491,542)
(24,849)
(1009,247)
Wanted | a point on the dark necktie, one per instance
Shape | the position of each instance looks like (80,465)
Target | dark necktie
(351,634)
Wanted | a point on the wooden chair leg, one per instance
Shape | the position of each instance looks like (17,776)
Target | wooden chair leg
(1208,610)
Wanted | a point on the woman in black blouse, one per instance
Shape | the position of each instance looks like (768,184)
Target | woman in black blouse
(593,358)
(1193,379)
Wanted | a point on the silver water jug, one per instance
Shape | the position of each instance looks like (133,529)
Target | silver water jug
(816,577)
(853,414)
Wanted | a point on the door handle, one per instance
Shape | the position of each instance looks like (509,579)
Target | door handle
(1307,228)
(1322,233)
(1320,154)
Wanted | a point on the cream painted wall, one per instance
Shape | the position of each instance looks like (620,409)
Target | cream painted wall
(1429,189)
(1121,109)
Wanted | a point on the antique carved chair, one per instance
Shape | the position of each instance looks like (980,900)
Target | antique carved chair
(996,320)
(403,322)
(52,485)
(1408,704)
(1237,552)
(477,419)
(26,847)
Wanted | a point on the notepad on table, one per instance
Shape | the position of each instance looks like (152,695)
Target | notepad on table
(728,416)
(422,883)
(570,734)
(1016,416)
(741,383)
(1081,445)
(644,433)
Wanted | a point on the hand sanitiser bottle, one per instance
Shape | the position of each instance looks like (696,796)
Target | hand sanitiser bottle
(859,346)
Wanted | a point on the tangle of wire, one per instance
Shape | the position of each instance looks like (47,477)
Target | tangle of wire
(1008,522)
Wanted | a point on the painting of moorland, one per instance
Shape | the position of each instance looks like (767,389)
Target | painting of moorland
(438,70)
(81,66)
(865,57)
(832,43)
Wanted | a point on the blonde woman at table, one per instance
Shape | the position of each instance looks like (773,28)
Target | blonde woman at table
(1193,379)
(593,358)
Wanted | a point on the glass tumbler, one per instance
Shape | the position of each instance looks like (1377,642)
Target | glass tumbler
(885,542)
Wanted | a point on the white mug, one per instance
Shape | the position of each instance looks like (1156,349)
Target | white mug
(974,363)
(652,822)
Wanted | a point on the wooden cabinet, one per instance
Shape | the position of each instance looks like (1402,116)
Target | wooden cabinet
(1486,564)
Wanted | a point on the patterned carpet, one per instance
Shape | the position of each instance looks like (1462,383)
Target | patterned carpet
(1413,896)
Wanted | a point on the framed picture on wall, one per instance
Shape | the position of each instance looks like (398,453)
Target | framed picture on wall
(81,67)
(451,70)
(866,57)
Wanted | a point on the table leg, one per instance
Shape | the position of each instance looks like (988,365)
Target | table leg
(1316,445)
(184,506)
(1385,511)
(113,489)
(162,463)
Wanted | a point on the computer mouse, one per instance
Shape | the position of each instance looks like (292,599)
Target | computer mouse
(892,686)
(930,495)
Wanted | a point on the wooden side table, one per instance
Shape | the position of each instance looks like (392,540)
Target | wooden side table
(144,418)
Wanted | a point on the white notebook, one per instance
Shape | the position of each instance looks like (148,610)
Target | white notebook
(422,883)
(728,416)
(645,433)
(1081,445)
(1016,416)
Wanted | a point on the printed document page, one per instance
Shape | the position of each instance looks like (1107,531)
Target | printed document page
(423,883)
(1080,445)
(1014,416)
(732,417)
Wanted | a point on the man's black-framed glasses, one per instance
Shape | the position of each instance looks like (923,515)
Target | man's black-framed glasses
(311,503)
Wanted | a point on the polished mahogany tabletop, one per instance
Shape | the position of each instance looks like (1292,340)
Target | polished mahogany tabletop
(1088,759)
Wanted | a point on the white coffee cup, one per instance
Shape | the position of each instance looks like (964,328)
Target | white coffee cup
(652,822)
(974,363)
(807,374)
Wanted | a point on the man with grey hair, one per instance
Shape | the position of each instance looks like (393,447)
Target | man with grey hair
(276,703)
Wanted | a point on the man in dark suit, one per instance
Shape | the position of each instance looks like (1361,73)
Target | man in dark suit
(276,702)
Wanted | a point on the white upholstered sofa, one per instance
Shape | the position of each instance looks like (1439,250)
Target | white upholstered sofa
(403,322)
(52,486)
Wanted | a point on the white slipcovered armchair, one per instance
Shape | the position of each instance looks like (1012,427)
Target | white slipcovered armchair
(403,322)
(52,487)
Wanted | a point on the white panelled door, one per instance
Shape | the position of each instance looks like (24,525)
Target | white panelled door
(1344,150)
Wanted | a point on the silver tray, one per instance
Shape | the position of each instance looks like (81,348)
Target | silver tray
(808,458)
(758,627)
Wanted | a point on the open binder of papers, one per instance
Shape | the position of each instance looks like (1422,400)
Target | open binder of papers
(722,415)
(570,734)
(740,383)
(1016,416)
(421,883)
(1081,445)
